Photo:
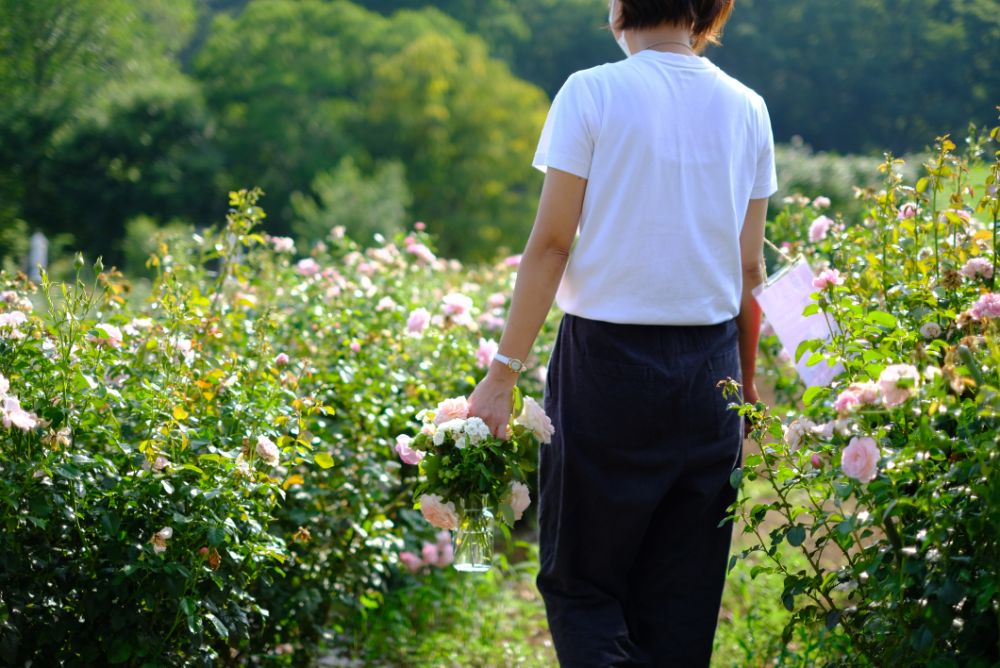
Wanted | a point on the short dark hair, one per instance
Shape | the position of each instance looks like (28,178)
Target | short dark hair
(706,17)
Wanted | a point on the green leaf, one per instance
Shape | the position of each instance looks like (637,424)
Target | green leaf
(882,318)
(217,624)
(121,650)
(735,478)
(812,394)
(324,460)
(508,514)
(796,535)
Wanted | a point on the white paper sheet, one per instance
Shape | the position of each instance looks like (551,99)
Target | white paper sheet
(782,300)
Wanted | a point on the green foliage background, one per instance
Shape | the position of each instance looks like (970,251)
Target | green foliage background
(113,110)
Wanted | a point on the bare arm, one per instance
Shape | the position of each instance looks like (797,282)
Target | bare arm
(748,321)
(538,277)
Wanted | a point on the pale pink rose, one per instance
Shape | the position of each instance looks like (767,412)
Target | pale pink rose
(816,461)
(821,202)
(418,320)
(898,382)
(907,210)
(421,252)
(281,359)
(859,460)
(485,352)
(439,514)
(868,392)
(456,304)
(283,244)
(819,228)
(110,336)
(160,538)
(930,330)
(977,267)
(268,451)
(845,401)
(407,453)
(513,261)
(987,306)
(828,278)
(385,304)
(12,319)
(451,409)
(443,538)
(15,416)
(338,232)
(520,499)
(160,463)
(496,300)
(491,322)
(430,553)
(420,226)
(412,562)
(307,267)
(356,346)
(534,419)
(446,554)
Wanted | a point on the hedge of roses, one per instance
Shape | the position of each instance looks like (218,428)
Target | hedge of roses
(210,474)
(887,480)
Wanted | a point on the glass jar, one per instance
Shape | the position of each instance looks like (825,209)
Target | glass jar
(474,536)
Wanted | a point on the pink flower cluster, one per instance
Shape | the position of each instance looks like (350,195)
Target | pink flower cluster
(484,354)
(108,336)
(977,267)
(10,323)
(438,554)
(819,228)
(11,413)
(987,306)
(857,394)
(420,251)
(457,308)
(828,278)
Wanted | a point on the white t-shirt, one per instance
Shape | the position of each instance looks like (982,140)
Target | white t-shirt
(673,149)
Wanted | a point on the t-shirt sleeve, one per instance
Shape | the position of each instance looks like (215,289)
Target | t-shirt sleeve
(766,178)
(568,137)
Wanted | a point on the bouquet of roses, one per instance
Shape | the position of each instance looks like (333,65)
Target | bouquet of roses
(469,474)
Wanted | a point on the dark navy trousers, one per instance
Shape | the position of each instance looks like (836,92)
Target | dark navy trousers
(632,491)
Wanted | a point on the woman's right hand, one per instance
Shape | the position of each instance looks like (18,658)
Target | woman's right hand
(492,400)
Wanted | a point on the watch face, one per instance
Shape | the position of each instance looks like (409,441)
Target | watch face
(516,365)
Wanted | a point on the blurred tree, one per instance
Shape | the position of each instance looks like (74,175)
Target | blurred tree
(58,59)
(365,206)
(867,75)
(298,85)
(142,148)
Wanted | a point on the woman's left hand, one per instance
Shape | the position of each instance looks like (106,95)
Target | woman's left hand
(492,401)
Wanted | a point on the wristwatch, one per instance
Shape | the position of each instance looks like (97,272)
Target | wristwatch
(514,364)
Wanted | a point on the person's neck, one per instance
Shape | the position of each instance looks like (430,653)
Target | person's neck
(666,38)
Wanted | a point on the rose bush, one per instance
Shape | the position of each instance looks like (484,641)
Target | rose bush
(210,473)
(887,480)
